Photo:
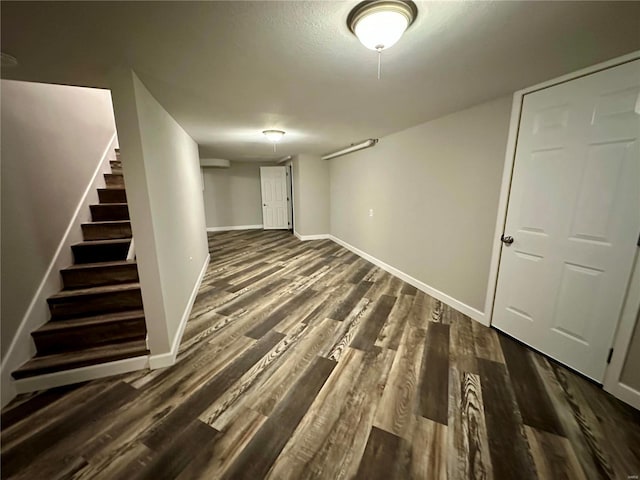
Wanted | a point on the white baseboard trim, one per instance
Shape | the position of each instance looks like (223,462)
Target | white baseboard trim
(319,236)
(22,348)
(234,227)
(435,293)
(163,360)
(82,374)
(626,394)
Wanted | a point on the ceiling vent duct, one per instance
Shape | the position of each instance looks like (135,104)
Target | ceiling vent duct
(353,148)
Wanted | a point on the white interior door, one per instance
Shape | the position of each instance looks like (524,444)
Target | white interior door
(275,210)
(574,217)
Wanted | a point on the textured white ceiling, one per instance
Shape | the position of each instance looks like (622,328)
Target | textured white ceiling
(228,70)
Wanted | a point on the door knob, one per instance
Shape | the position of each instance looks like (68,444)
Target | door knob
(264,204)
(506,240)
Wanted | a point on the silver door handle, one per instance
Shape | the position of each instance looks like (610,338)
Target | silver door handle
(506,240)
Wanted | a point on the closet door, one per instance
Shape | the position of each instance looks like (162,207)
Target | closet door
(573,218)
(275,209)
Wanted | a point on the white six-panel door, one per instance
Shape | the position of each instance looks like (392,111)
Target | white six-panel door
(275,210)
(574,216)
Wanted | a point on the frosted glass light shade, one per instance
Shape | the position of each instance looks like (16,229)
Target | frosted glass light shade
(274,135)
(379,24)
(381,29)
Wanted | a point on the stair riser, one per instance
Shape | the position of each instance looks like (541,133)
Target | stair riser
(120,351)
(100,253)
(106,212)
(112,180)
(97,276)
(112,195)
(88,337)
(106,232)
(95,304)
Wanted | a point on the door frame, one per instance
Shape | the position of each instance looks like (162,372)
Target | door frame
(288,207)
(627,321)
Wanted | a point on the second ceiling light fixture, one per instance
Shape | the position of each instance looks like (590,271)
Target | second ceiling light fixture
(379,24)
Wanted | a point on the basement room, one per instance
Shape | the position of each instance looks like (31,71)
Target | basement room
(296,239)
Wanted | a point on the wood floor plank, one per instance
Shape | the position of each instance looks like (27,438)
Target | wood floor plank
(468,444)
(570,423)
(258,456)
(176,454)
(256,295)
(391,332)
(75,429)
(287,374)
(553,456)
(434,377)
(400,396)
(380,456)
(487,343)
(368,333)
(224,408)
(210,462)
(508,446)
(214,388)
(330,439)
(617,417)
(127,462)
(429,450)
(345,306)
(254,279)
(20,411)
(349,328)
(462,353)
(535,405)
(46,416)
(280,313)
(297,402)
(587,421)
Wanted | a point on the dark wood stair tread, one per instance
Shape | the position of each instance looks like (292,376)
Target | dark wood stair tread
(111,241)
(116,263)
(80,292)
(72,323)
(81,358)
(109,222)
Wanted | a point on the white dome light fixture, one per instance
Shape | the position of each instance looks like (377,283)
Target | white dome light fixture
(379,24)
(274,136)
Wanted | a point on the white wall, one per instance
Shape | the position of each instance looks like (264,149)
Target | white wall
(311,195)
(53,140)
(631,373)
(232,195)
(434,193)
(164,190)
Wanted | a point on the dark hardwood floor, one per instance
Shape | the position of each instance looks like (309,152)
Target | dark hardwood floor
(302,360)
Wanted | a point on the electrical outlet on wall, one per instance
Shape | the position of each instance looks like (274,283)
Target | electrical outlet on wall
(371,212)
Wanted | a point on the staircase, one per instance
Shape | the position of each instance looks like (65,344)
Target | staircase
(98,316)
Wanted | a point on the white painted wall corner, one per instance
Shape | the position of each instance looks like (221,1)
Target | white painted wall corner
(163,360)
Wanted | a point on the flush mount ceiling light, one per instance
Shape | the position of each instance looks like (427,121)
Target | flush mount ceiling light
(274,136)
(379,24)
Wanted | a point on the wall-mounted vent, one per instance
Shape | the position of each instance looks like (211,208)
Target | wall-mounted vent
(214,163)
